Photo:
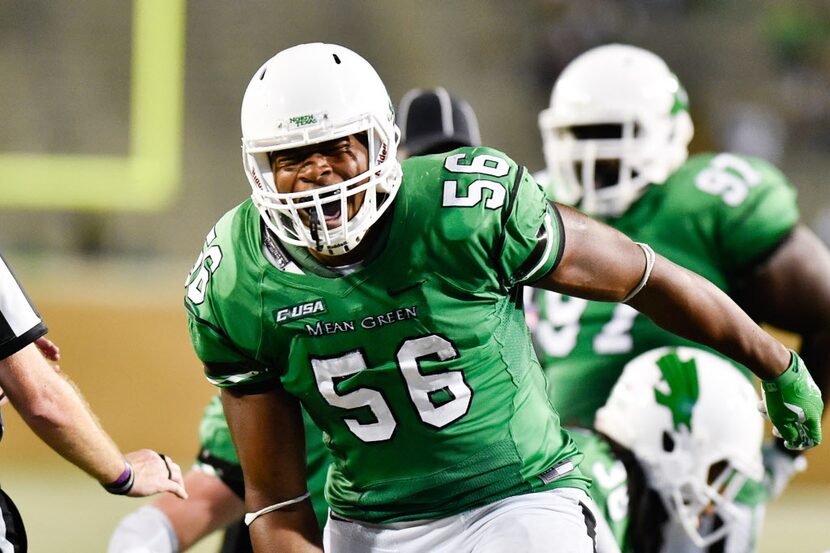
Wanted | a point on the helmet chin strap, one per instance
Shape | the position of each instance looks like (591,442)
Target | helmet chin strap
(313,228)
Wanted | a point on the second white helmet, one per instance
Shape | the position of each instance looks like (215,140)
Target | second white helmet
(618,121)
(691,420)
(308,94)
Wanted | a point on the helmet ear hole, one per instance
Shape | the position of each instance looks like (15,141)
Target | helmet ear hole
(715,470)
(668,442)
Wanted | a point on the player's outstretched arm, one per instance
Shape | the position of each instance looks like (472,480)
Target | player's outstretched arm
(267,431)
(600,263)
(53,408)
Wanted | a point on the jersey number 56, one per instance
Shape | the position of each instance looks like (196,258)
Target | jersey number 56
(439,398)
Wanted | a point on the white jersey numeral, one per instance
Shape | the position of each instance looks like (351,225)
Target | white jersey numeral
(729,177)
(615,336)
(557,334)
(475,193)
(326,370)
(483,164)
(614,480)
(423,388)
(206,265)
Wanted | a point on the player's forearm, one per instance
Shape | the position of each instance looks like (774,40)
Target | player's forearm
(688,305)
(267,431)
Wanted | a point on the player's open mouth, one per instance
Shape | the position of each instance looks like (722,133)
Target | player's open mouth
(331,211)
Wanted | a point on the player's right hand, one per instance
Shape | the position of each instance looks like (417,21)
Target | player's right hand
(792,401)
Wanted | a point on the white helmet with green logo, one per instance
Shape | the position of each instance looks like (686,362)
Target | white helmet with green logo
(691,420)
(309,94)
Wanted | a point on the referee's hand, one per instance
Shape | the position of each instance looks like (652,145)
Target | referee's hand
(155,473)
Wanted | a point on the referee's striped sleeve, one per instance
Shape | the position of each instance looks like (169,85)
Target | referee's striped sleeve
(20,323)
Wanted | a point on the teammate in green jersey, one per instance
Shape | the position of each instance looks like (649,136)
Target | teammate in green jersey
(661,439)
(385,298)
(431,121)
(615,139)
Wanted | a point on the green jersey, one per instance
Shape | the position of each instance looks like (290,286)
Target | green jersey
(716,215)
(417,365)
(610,482)
(217,455)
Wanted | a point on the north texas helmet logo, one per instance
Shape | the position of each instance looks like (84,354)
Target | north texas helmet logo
(680,377)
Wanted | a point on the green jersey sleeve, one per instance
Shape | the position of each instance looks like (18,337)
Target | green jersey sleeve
(747,206)
(223,308)
(217,454)
(770,213)
(493,217)
(214,434)
(533,234)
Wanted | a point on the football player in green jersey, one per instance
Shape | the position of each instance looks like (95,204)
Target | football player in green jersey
(431,121)
(680,428)
(615,140)
(385,297)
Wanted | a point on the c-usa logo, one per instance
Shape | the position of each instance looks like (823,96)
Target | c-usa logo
(299,311)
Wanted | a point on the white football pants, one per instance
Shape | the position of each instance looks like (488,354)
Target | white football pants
(561,520)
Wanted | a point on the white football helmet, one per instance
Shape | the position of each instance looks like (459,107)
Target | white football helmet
(691,420)
(308,94)
(618,121)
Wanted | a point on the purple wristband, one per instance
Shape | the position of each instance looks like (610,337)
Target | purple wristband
(124,483)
